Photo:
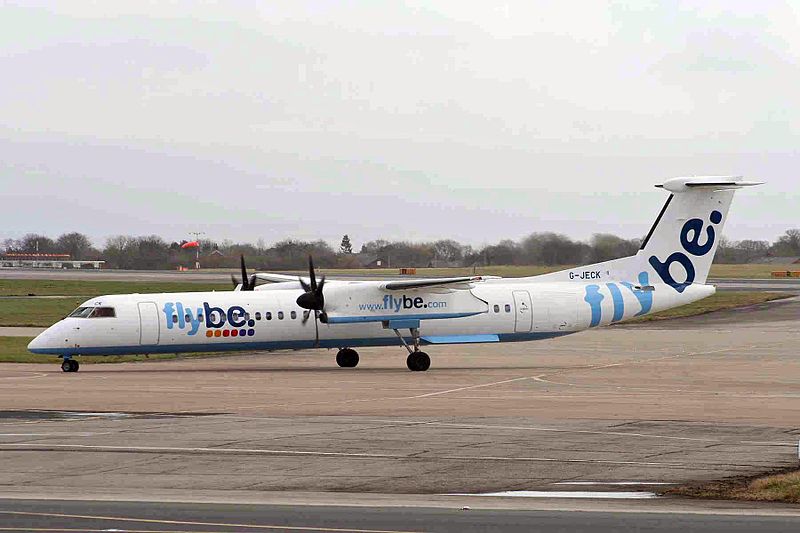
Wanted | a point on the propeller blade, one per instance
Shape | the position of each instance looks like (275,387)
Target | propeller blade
(306,286)
(245,282)
(311,274)
(316,328)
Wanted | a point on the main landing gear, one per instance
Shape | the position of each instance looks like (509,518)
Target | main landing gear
(70,365)
(417,361)
(347,358)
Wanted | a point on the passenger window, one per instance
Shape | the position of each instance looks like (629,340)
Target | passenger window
(187,318)
(258,315)
(103,312)
(496,308)
(247,316)
(293,315)
(280,315)
(508,308)
(306,315)
(199,316)
(174,319)
(268,316)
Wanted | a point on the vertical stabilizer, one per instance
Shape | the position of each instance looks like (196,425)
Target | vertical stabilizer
(680,247)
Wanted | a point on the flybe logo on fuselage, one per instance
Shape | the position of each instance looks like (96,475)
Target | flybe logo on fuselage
(693,227)
(183,317)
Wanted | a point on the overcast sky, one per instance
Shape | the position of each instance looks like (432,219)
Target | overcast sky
(404,120)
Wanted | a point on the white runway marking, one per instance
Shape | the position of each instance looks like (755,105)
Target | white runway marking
(597,495)
(612,483)
(428,395)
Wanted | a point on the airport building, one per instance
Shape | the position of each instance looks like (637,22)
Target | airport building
(36,260)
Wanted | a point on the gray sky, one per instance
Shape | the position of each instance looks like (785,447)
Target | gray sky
(414,120)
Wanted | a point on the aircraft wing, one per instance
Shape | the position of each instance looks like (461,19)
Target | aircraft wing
(277,278)
(434,282)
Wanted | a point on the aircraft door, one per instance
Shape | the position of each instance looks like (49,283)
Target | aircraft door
(523,321)
(149,328)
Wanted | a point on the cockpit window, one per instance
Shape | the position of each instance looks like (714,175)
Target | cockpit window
(103,312)
(93,312)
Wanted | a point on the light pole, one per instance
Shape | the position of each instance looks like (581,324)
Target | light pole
(197,250)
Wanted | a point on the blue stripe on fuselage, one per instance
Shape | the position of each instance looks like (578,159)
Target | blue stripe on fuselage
(264,346)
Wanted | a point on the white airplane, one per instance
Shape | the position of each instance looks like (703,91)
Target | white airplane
(669,270)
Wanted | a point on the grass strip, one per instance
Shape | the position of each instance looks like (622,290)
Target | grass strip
(88,288)
(780,486)
(718,302)
(15,350)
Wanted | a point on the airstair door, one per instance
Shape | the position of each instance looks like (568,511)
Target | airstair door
(149,328)
(523,322)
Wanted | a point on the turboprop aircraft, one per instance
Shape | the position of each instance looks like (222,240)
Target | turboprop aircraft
(669,270)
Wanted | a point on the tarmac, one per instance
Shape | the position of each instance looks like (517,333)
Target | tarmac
(669,402)
(70,516)
(565,429)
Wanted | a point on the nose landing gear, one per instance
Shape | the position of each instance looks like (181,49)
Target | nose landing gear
(70,365)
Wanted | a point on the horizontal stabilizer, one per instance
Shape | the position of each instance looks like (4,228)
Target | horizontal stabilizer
(717,183)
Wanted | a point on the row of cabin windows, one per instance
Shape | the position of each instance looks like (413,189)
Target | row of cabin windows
(267,316)
(507,308)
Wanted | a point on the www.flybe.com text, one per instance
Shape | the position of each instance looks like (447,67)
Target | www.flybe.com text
(390,303)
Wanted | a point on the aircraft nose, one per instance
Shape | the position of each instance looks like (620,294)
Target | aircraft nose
(43,342)
(37,343)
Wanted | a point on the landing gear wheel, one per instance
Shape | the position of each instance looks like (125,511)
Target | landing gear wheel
(70,365)
(418,361)
(347,358)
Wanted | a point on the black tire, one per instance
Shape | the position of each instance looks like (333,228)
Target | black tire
(347,358)
(423,362)
(418,362)
(66,365)
(75,365)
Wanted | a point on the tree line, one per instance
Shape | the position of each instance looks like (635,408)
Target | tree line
(152,252)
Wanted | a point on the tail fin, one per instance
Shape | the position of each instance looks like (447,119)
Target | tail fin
(680,246)
(683,240)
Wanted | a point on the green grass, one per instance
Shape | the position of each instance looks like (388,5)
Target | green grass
(45,311)
(44,287)
(718,302)
(15,350)
(755,271)
(778,487)
(34,312)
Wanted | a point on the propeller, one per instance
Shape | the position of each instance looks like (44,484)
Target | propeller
(313,299)
(248,283)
